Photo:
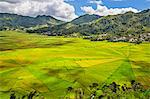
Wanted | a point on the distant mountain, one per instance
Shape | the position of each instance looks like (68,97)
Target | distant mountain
(59,29)
(130,26)
(18,21)
(85,19)
(123,24)
(124,27)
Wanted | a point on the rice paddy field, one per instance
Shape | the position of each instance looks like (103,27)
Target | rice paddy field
(51,64)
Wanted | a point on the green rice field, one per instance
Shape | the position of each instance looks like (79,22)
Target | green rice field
(51,64)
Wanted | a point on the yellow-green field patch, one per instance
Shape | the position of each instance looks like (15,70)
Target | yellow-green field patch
(51,64)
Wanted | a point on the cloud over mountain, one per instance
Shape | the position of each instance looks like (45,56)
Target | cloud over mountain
(104,11)
(57,8)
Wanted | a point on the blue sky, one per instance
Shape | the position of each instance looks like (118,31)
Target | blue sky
(138,4)
(70,9)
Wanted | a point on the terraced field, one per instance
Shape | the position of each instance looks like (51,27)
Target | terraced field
(51,64)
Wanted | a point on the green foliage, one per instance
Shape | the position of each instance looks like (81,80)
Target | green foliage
(118,25)
(85,19)
(115,26)
(14,21)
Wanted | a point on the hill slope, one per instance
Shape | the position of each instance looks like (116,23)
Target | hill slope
(132,27)
(124,27)
(118,24)
(85,19)
(61,28)
(14,21)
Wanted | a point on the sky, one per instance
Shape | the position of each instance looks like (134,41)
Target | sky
(70,9)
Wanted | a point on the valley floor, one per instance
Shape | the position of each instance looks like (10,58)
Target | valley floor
(49,65)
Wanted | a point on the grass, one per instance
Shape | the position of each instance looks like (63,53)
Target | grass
(51,64)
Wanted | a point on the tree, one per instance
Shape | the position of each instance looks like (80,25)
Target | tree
(12,95)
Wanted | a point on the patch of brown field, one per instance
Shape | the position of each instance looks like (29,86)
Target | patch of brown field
(52,72)
(62,43)
(141,63)
(144,81)
(5,49)
(36,45)
(12,63)
(76,73)
(17,61)
(3,36)
(2,67)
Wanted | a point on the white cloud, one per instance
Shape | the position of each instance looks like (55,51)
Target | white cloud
(104,11)
(56,8)
(96,1)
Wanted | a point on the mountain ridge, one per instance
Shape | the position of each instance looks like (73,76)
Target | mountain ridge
(83,19)
(123,27)
(16,21)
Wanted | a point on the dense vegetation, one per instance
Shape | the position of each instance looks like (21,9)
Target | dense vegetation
(128,27)
(34,65)
(110,91)
(128,23)
(14,21)
(85,19)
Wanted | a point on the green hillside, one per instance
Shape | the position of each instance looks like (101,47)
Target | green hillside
(59,29)
(128,23)
(14,21)
(49,65)
(85,19)
(128,27)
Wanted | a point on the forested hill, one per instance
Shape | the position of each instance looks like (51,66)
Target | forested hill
(61,28)
(14,21)
(128,27)
(123,27)
(127,23)
(85,19)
